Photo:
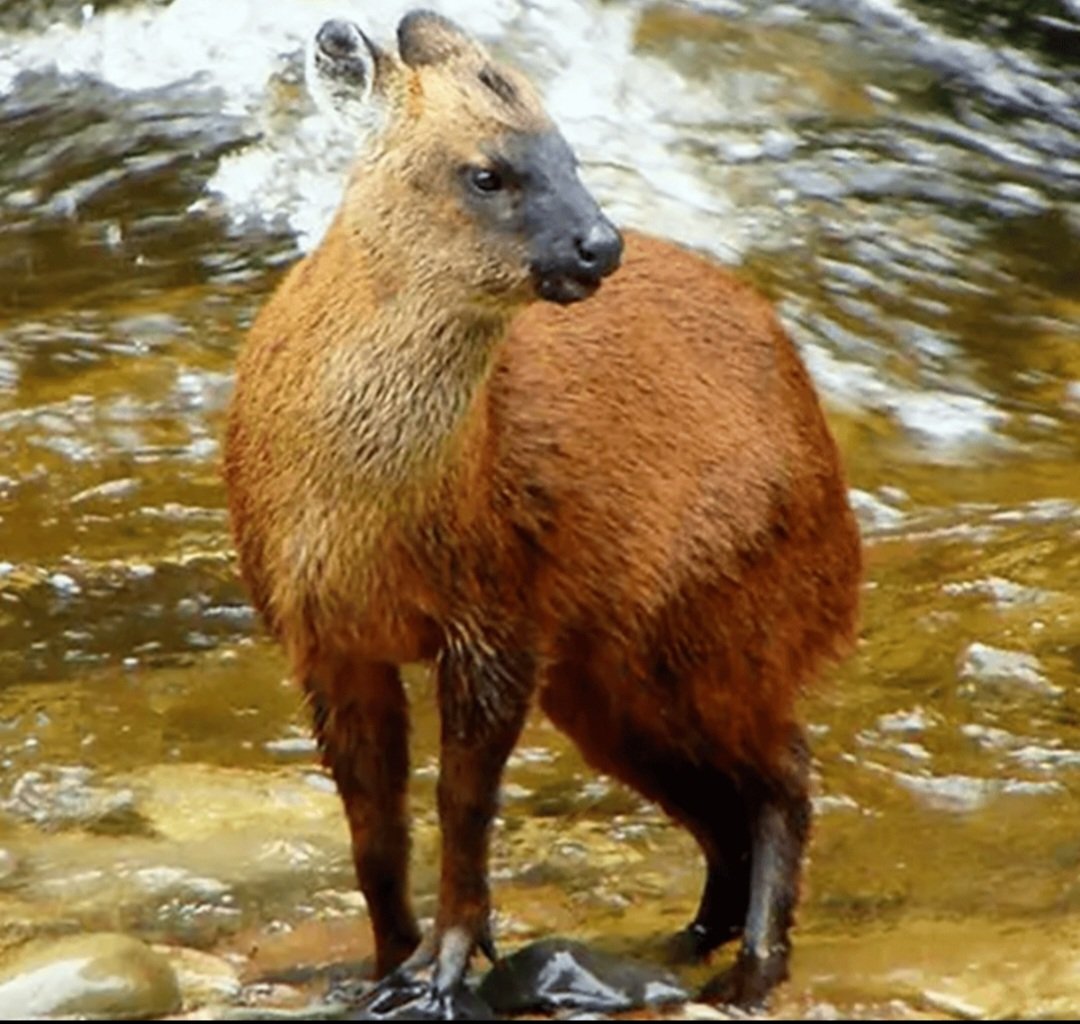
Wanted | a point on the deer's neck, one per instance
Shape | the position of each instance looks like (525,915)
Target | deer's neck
(404,381)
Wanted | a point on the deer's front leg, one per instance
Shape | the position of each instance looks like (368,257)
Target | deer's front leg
(483,698)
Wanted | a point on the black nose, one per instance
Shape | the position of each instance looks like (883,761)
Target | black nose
(599,249)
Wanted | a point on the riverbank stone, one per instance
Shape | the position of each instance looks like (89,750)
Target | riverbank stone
(96,975)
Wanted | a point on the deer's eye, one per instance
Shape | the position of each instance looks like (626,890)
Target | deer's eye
(485,180)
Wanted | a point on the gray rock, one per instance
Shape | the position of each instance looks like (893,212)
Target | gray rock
(557,975)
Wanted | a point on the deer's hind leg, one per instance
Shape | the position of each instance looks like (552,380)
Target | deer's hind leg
(750,816)
(701,797)
(779,820)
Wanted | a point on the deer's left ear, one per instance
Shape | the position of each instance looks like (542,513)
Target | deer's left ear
(425,37)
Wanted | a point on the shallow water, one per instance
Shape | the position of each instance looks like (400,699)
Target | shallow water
(904,180)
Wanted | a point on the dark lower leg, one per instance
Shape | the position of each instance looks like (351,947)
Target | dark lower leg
(468,799)
(724,901)
(703,798)
(479,730)
(361,721)
(780,824)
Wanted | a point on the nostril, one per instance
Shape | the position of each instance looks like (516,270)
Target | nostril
(600,248)
(585,251)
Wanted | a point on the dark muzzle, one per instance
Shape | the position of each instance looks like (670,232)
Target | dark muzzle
(572,245)
(576,272)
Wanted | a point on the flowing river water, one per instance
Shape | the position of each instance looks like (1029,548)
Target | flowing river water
(902,177)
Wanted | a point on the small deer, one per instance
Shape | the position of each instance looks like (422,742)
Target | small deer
(479,428)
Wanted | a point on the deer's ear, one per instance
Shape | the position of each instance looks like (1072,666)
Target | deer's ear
(349,76)
(425,37)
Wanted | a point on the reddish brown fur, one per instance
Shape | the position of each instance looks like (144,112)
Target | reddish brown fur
(635,506)
(649,470)
(694,514)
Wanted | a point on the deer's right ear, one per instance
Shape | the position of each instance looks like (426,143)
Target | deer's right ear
(348,75)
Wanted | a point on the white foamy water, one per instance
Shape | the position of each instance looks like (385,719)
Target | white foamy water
(716,156)
(293,175)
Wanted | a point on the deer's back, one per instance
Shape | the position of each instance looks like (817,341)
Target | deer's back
(662,451)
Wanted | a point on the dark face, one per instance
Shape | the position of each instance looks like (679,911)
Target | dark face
(529,187)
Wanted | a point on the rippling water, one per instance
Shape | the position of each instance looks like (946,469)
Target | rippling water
(902,178)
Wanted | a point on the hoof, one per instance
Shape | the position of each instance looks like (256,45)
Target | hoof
(402,996)
(694,943)
(748,983)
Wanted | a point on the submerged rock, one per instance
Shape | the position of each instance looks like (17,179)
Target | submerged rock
(103,976)
(559,974)
(9,864)
(202,977)
(61,796)
(984,665)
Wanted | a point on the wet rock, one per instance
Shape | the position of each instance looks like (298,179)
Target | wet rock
(413,1001)
(948,424)
(188,803)
(64,584)
(273,995)
(957,794)
(913,722)
(202,977)
(703,1011)
(1003,592)
(66,797)
(992,666)
(872,512)
(9,864)
(1071,398)
(557,974)
(1033,755)
(950,970)
(300,747)
(100,975)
